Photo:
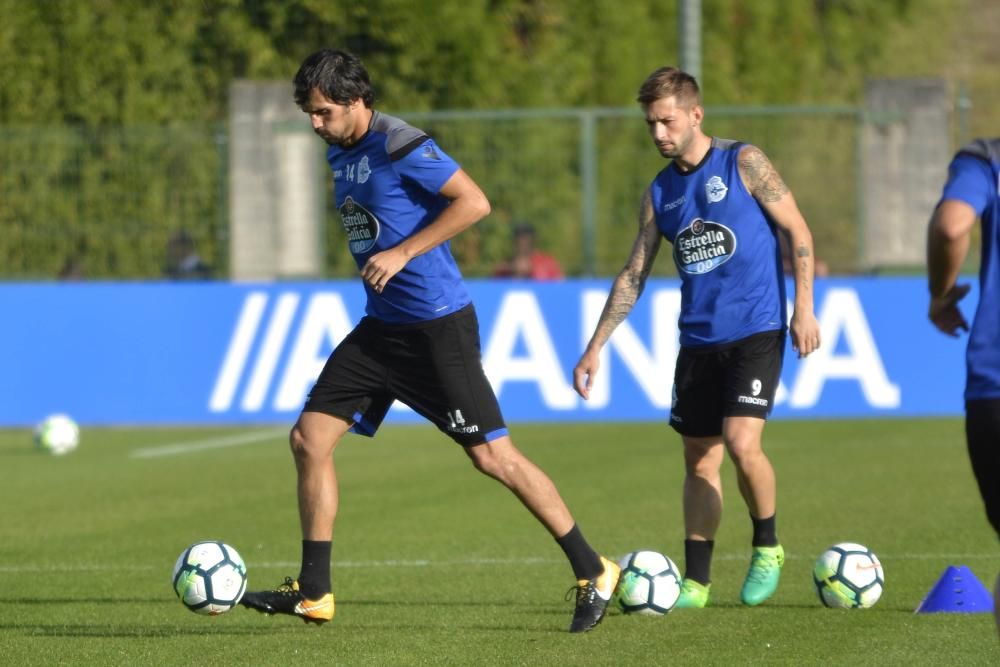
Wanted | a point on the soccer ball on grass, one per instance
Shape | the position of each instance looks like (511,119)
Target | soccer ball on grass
(57,434)
(848,576)
(650,584)
(210,577)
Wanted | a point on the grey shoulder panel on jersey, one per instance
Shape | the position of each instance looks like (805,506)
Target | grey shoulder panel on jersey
(987,149)
(727,144)
(400,136)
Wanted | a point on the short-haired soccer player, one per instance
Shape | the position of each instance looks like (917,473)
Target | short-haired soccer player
(721,204)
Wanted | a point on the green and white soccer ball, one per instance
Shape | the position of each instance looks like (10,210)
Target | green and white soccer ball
(210,577)
(57,434)
(848,576)
(650,584)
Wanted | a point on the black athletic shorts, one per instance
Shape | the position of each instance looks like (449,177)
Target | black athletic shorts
(733,380)
(434,367)
(982,432)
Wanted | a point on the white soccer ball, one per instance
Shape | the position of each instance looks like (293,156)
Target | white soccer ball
(650,583)
(848,576)
(57,434)
(210,577)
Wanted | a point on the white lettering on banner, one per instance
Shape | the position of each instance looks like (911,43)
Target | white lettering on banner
(267,358)
(843,315)
(648,357)
(324,325)
(653,371)
(237,352)
(520,316)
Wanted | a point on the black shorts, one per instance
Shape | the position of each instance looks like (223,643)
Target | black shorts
(733,380)
(982,432)
(434,367)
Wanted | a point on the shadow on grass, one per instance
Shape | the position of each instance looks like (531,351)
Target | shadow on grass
(505,604)
(140,631)
(65,601)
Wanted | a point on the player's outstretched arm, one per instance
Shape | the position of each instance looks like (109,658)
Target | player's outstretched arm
(770,191)
(625,291)
(947,245)
(468,206)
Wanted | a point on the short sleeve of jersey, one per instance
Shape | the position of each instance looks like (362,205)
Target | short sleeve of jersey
(427,165)
(970,181)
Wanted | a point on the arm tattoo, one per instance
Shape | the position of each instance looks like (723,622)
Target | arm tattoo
(762,178)
(631,281)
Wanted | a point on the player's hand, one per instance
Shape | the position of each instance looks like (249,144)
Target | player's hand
(586,369)
(944,312)
(804,329)
(382,266)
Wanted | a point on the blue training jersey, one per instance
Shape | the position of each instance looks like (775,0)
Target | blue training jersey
(725,248)
(387,188)
(974,178)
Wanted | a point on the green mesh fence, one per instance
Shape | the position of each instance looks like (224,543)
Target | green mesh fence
(103,204)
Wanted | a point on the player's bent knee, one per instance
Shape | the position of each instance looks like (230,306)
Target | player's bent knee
(498,462)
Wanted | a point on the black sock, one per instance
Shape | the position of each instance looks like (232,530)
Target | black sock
(764,533)
(314,578)
(583,559)
(698,560)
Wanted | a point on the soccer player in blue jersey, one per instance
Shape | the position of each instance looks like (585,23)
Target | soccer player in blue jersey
(401,198)
(721,204)
(973,192)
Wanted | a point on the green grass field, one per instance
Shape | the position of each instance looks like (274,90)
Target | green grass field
(434,564)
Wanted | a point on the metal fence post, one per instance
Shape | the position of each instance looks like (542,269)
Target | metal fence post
(588,189)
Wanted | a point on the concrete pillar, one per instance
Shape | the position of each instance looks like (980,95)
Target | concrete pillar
(904,158)
(275,185)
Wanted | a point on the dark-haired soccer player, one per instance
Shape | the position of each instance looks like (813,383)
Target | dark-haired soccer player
(973,191)
(401,198)
(721,204)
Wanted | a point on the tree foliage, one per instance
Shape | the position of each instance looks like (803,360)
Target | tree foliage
(91,69)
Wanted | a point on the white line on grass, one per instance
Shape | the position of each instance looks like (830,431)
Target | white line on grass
(416,563)
(211,443)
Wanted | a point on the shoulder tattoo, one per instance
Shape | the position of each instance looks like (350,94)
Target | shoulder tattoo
(762,178)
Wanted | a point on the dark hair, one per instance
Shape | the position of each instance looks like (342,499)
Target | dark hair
(670,82)
(337,74)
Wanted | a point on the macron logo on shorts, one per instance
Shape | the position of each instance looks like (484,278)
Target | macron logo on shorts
(755,388)
(752,400)
(456,423)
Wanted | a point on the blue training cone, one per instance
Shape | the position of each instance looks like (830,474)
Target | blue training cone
(957,590)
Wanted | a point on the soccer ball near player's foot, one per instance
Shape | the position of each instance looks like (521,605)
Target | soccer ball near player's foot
(57,434)
(848,576)
(210,578)
(650,583)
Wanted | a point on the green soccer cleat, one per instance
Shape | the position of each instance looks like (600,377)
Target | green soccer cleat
(693,595)
(765,571)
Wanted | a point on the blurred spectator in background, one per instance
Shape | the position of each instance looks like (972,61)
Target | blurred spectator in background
(527,261)
(73,269)
(183,260)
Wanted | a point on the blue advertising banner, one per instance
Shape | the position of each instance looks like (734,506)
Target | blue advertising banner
(222,353)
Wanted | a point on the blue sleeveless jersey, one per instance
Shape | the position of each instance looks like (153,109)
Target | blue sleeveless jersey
(387,189)
(974,178)
(725,248)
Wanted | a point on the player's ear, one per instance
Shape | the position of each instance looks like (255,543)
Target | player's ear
(697,114)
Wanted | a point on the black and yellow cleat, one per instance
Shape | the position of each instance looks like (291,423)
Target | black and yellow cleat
(593,596)
(287,599)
